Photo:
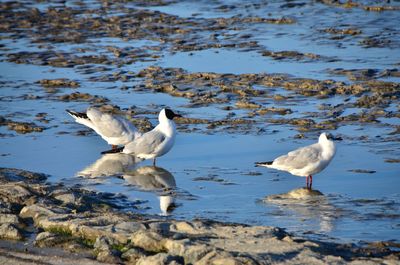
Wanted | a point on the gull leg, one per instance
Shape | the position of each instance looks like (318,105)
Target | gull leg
(307,178)
(113,147)
(310,182)
(154,161)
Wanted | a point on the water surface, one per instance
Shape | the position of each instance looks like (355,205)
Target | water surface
(210,173)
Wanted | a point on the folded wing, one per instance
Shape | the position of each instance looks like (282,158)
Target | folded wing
(299,158)
(110,126)
(148,143)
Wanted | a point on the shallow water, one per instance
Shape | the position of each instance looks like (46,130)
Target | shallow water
(210,173)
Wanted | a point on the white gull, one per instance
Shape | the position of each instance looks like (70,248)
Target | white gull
(305,161)
(156,142)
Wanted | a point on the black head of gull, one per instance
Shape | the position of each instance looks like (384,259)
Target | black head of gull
(170,114)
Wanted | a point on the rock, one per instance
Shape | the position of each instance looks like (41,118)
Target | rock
(61,82)
(392,160)
(63,240)
(365,171)
(129,227)
(13,193)
(218,256)
(160,259)
(133,255)
(247,105)
(24,127)
(102,243)
(35,210)
(160,227)
(273,110)
(46,239)
(13,174)
(83,97)
(67,198)
(195,253)
(43,236)
(301,193)
(185,227)
(149,241)
(5,207)
(9,218)
(226,261)
(191,253)
(104,251)
(13,256)
(9,231)
(108,257)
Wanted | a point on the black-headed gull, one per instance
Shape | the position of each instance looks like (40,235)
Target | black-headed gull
(151,178)
(156,142)
(114,130)
(305,161)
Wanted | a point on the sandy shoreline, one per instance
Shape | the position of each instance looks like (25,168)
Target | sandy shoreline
(53,224)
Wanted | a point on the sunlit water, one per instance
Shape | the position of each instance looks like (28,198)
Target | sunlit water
(213,176)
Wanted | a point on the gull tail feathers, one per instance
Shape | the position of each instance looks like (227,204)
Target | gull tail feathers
(113,151)
(263,164)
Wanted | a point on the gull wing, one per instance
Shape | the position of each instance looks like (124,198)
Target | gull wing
(109,125)
(299,158)
(146,144)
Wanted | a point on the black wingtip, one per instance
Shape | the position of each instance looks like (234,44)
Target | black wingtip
(77,114)
(260,164)
(113,151)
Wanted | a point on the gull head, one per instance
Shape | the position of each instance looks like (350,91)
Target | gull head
(167,114)
(326,141)
(324,137)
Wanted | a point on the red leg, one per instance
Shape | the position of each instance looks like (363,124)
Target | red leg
(310,182)
(113,147)
(307,181)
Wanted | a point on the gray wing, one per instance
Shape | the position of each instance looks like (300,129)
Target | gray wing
(146,144)
(108,125)
(299,158)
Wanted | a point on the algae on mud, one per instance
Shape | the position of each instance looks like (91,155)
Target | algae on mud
(270,74)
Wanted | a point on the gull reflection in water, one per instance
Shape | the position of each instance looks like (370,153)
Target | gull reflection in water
(155,179)
(309,205)
(108,165)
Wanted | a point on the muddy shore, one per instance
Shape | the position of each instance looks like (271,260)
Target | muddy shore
(300,68)
(51,223)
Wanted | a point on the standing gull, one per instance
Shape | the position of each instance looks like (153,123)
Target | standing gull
(114,130)
(305,161)
(156,142)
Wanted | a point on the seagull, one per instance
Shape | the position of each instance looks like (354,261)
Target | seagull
(108,165)
(305,161)
(152,178)
(154,143)
(114,130)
